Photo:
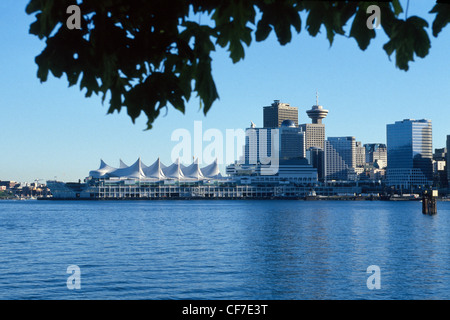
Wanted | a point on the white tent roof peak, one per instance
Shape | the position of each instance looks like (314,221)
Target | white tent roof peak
(155,170)
(103,165)
(212,170)
(134,171)
(102,171)
(174,170)
(159,171)
(162,164)
(122,164)
(193,171)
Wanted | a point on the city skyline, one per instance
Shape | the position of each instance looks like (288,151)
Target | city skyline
(50,130)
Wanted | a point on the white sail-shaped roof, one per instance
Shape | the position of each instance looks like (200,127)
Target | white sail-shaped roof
(122,164)
(155,170)
(174,170)
(193,171)
(132,172)
(212,170)
(102,172)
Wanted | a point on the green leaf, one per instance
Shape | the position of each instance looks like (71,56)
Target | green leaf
(332,15)
(280,16)
(231,19)
(408,38)
(33,6)
(147,55)
(359,31)
(397,7)
(205,86)
(263,30)
(315,16)
(442,17)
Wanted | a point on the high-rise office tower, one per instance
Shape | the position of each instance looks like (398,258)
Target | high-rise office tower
(292,141)
(316,158)
(340,157)
(440,154)
(409,154)
(275,114)
(315,131)
(286,142)
(259,144)
(360,155)
(440,168)
(448,160)
(376,152)
(314,135)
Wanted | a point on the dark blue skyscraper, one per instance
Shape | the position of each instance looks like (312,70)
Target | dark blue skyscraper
(340,157)
(409,153)
(447,162)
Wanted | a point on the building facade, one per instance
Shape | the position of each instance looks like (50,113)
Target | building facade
(316,157)
(376,152)
(340,158)
(315,138)
(292,141)
(264,145)
(448,160)
(440,168)
(315,131)
(314,135)
(275,114)
(260,145)
(409,154)
(360,155)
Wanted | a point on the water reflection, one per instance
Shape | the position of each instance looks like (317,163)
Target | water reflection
(224,250)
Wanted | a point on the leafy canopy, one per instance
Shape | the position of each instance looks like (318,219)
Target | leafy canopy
(148,54)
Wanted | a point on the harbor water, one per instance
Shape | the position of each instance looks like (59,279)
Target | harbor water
(219,249)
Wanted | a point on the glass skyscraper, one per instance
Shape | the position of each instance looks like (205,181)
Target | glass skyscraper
(340,157)
(262,144)
(376,152)
(409,153)
(258,145)
(448,160)
(292,141)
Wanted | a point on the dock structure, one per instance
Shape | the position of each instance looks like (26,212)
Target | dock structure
(429,202)
(138,189)
(293,179)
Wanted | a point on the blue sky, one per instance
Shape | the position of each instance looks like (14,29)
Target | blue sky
(49,130)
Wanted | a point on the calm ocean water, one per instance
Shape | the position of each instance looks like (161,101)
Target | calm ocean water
(223,249)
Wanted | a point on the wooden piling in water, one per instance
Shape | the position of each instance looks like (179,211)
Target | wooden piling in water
(429,202)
